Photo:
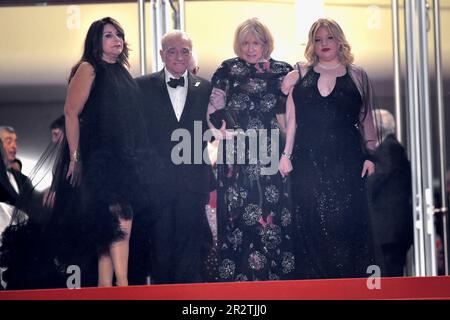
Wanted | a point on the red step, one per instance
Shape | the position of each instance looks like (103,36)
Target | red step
(335,289)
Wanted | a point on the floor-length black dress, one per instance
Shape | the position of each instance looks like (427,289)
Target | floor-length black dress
(255,229)
(329,193)
(120,174)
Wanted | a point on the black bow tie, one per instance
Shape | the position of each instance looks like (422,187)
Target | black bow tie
(176,82)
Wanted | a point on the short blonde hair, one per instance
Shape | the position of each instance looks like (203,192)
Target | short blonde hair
(255,27)
(344,49)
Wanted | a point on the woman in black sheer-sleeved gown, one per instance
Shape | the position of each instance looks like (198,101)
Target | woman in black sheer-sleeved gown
(334,140)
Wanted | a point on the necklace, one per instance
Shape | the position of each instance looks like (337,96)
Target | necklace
(329,68)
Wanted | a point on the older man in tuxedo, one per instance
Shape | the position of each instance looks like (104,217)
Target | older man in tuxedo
(12,182)
(176,99)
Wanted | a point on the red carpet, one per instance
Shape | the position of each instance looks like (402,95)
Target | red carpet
(348,289)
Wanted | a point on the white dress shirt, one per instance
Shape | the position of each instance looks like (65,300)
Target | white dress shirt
(13,181)
(177,95)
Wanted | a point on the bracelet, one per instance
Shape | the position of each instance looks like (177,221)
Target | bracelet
(74,156)
(286,155)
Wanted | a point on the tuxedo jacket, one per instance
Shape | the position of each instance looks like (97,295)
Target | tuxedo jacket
(162,122)
(389,191)
(7,192)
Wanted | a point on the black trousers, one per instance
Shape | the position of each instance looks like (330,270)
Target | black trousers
(151,247)
(172,246)
(192,237)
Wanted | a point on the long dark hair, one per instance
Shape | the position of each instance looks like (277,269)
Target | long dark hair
(93,45)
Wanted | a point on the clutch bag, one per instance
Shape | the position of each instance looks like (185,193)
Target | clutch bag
(222,114)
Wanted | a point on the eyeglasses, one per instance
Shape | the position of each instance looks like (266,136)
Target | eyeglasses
(172,52)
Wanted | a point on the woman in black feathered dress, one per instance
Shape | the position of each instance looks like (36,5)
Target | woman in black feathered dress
(105,173)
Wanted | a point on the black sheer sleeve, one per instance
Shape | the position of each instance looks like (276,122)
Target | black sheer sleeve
(368,126)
